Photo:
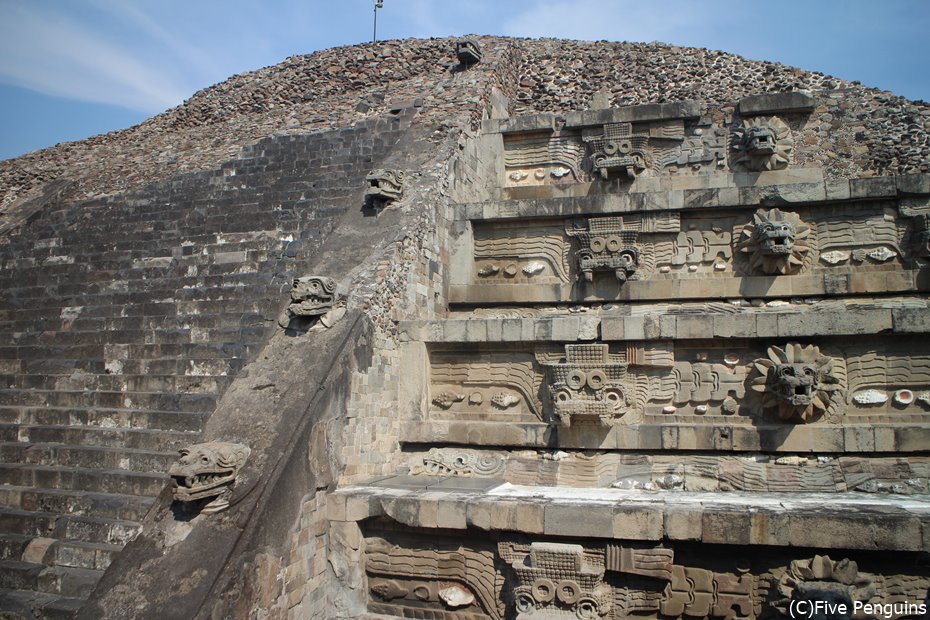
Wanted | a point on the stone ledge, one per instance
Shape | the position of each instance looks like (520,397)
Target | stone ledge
(714,434)
(829,521)
(585,118)
(749,190)
(774,103)
(678,289)
(787,322)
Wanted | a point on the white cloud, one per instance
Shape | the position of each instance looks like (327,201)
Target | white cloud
(48,52)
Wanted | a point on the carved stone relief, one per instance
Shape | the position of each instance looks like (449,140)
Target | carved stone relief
(745,382)
(605,245)
(588,384)
(431,576)
(800,382)
(422,574)
(384,186)
(497,385)
(613,252)
(613,150)
(208,470)
(314,297)
(760,144)
(468,51)
(537,159)
(775,241)
(556,580)
(458,462)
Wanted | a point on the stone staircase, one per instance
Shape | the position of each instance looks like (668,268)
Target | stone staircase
(122,322)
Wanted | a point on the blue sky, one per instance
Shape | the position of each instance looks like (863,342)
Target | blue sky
(70,69)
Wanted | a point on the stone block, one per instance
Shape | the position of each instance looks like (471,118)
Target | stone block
(682,523)
(911,321)
(875,187)
(578,520)
(913,184)
(877,529)
(775,103)
(565,329)
(725,526)
(643,522)
(336,507)
(768,528)
(694,327)
(734,326)
(450,514)
(858,439)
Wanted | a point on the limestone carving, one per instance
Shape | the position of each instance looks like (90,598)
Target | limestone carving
(525,156)
(776,242)
(493,385)
(616,149)
(762,144)
(588,384)
(208,470)
(468,51)
(436,574)
(820,577)
(384,186)
(555,579)
(798,381)
(314,297)
(464,463)
(605,245)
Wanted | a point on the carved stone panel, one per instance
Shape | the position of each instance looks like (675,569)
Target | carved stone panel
(486,385)
(420,574)
(208,470)
(723,253)
(760,144)
(468,51)
(384,186)
(732,382)
(586,153)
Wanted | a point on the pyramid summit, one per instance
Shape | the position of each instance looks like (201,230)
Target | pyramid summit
(473,327)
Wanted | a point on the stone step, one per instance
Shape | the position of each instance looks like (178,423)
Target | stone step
(33,327)
(134,351)
(190,403)
(71,502)
(62,368)
(79,554)
(118,481)
(123,438)
(103,417)
(12,546)
(31,604)
(85,457)
(65,581)
(81,528)
(114,382)
(51,552)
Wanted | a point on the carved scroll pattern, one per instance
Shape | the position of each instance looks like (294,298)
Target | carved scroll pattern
(433,562)
(537,159)
(538,253)
(490,385)
(525,580)
(870,237)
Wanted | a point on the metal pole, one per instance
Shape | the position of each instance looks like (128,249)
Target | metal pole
(374,35)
